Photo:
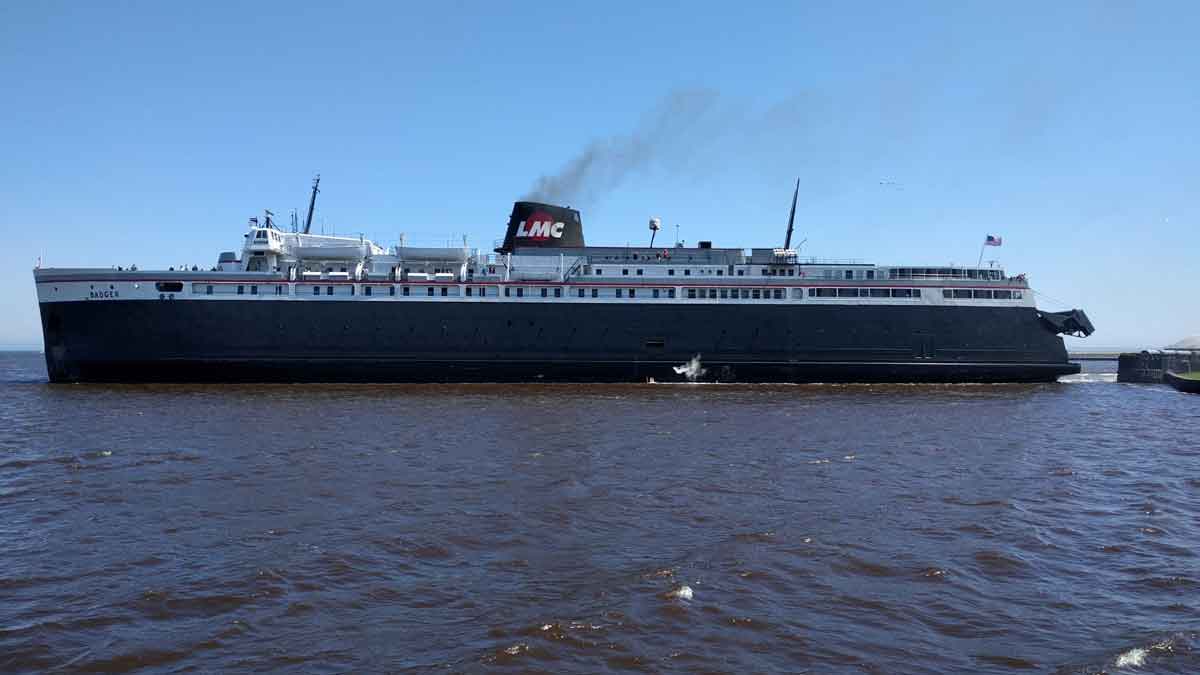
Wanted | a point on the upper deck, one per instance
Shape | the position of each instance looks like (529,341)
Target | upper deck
(532,264)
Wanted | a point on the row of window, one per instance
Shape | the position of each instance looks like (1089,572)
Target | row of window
(791,272)
(241,289)
(736,293)
(864,292)
(944,273)
(849,274)
(692,293)
(982,294)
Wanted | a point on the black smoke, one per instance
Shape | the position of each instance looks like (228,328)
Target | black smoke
(605,163)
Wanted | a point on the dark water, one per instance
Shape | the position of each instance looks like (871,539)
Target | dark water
(877,529)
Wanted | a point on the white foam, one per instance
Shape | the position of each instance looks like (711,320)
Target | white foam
(692,370)
(1134,658)
(682,593)
(1088,378)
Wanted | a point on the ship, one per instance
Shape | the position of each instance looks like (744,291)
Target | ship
(543,306)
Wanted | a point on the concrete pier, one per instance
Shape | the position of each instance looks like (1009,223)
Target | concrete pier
(1148,367)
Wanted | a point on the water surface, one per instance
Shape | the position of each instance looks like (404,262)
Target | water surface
(823,529)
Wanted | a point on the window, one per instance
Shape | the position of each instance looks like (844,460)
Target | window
(654,292)
(507,290)
(254,290)
(822,292)
(632,292)
(329,290)
(712,293)
(1017,295)
(905,293)
(691,294)
(670,292)
(880,293)
(1002,295)
(848,274)
(724,293)
(520,292)
(208,290)
(595,292)
(720,273)
(468,291)
(756,294)
(558,292)
(429,291)
(687,273)
(445,291)
(777,293)
(741,273)
(791,272)
(366,290)
(639,272)
(406,291)
(169,286)
(581,292)
(671,272)
(391,290)
(870,274)
(959,293)
(544,292)
(625,271)
(982,295)
(619,291)
(764,272)
(946,293)
(241,289)
(599,271)
(316,290)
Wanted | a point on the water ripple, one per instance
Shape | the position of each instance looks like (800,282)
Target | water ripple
(820,529)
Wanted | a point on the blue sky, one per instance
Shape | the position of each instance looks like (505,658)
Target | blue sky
(149,132)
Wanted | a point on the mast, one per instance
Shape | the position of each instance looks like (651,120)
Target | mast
(787,242)
(312,202)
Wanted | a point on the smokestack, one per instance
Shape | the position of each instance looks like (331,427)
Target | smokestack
(533,224)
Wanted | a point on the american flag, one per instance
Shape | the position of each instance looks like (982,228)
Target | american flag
(993,240)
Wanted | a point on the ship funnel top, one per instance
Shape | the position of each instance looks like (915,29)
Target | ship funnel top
(542,226)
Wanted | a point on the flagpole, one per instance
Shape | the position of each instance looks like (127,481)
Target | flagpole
(981,254)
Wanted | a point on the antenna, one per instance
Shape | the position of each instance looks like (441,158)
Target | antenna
(312,202)
(655,226)
(787,242)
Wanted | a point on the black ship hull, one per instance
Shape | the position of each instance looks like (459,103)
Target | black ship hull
(265,340)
